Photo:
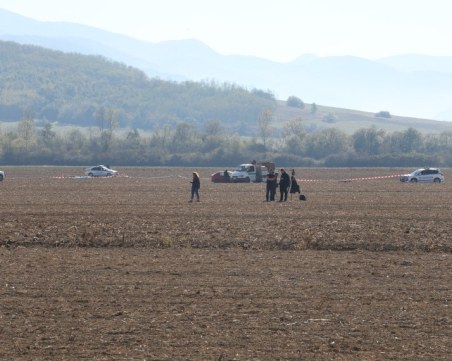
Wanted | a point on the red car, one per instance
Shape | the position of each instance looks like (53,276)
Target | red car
(219,177)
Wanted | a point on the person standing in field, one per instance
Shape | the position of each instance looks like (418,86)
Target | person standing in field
(294,187)
(284,184)
(226,176)
(271,186)
(195,186)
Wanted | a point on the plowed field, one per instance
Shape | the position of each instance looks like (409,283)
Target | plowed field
(125,268)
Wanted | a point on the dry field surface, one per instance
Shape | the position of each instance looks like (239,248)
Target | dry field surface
(125,268)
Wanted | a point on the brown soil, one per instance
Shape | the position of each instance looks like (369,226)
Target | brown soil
(126,269)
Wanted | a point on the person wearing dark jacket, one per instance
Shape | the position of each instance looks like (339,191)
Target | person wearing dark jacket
(195,186)
(271,186)
(284,184)
(294,187)
(226,176)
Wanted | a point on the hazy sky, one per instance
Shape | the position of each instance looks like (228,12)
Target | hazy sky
(279,30)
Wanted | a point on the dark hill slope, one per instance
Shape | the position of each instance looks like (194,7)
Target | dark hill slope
(74,89)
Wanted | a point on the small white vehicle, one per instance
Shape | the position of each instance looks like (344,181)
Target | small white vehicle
(246,173)
(100,171)
(2,175)
(426,175)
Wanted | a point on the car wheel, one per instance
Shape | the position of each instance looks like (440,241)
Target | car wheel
(90,174)
(413,180)
(437,180)
(1,177)
(248,180)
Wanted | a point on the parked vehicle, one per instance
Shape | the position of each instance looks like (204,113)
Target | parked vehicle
(2,175)
(426,175)
(219,177)
(252,172)
(100,171)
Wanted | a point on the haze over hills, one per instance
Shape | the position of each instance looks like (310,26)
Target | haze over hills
(408,85)
(75,89)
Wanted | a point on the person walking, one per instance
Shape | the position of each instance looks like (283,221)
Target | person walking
(271,186)
(284,184)
(195,186)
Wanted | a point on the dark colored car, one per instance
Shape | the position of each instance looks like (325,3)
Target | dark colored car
(219,177)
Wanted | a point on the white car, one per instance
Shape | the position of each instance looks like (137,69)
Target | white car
(424,175)
(2,175)
(100,171)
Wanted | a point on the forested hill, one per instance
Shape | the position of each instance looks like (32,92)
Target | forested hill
(75,89)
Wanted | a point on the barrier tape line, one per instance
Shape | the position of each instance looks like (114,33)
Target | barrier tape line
(345,180)
(304,180)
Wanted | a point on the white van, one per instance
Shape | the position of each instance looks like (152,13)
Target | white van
(246,173)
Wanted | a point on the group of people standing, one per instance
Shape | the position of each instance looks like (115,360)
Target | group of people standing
(286,184)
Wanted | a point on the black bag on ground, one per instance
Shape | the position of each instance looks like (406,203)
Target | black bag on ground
(302,197)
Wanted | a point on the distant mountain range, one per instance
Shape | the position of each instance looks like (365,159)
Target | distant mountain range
(410,85)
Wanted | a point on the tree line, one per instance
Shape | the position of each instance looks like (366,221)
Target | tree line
(186,123)
(185,144)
